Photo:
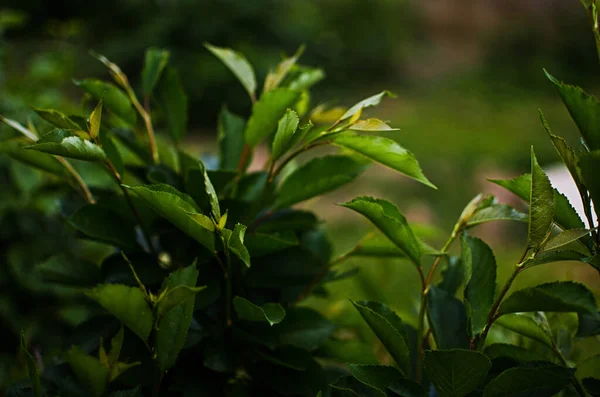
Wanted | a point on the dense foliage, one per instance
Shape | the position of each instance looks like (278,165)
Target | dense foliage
(189,277)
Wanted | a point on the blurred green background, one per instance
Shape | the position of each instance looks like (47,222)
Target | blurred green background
(467,74)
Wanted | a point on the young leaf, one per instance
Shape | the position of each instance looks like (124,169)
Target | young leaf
(286,128)
(306,78)
(590,164)
(57,119)
(116,343)
(66,144)
(176,297)
(19,128)
(128,304)
(456,372)
(544,381)
(112,97)
(275,78)
(390,221)
(583,108)
(180,210)
(235,244)
(448,319)
(384,151)
(389,329)
(559,296)
(154,63)
(563,238)
(267,112)
(89,370)
(231,139)
(318,176)
(34,372)
(370,101)
(102,224)
(239,65)
(526,326)
(541,205)
(383,377)
(271,313)
(496,212)
(371,125)
(174,102)
(42,161)
(173,327)
(480,269)
(200,187)
(95,121)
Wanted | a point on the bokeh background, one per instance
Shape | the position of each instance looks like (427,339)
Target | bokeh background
(467,75)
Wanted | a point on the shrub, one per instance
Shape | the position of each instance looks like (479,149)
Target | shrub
(201,293)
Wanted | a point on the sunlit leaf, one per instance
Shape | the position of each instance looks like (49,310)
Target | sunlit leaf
(67,144)
(238,64)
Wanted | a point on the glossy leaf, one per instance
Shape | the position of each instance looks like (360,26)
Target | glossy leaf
(238,64)
(544,381)
(370,101)
(267,112)
(57,119)
(235,243)
(102,224)
(112,97)
(526,326)
(384,151)
(480,268)
(457,372)
(271,313)
(89,370)
(95,121)
(42,161)
(155,61)
(564,238)
(496,212)
(389,329)
(200,187)
(286,128)
(180,210)
(174,102)
(590,164)
(66,144)
(555,256)
(390,221)
(19,128)
(175,297)
(274,78)
(231,139)
(565,296)
(371,125)
(541,205)
(319,175)
(306,78)
(128,304)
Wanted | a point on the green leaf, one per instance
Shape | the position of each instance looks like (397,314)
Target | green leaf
(349,386)
(288,357)
(62,269)
(176,297)
(384,151)
(304,328)
(274,78)
(306,78)
(555,256)
(456,372)
(112,153)
(390,221)
(370,101)
(371,125)
(480,269)
(448,319)
(389,329)
(496,212)
(89,370)
(34,371)
(521,382)
(590,164)
(260,244)
(589,325)
(113,98)
(526,326)
(105,225)
(238,64)
(57,119)
(541,205)
(66,144)
(319,175)
(515,353)
(563,238)
(271,313)
(583,108)
(42,161)
(180,210)
(453,275)
(286,128)
(173,327)
(155,61)
(235,244)
(174,102)
(231,139)
(200,187)
(267,112)
(95,121)
(19,128)
(560,296)
(116,343)
(383,377)
(128,304)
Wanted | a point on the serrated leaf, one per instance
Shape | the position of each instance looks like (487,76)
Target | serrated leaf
(231,139)
(349,386)
(266,113)
(372,125)
(235,244)
(583,108)
(519,382)
(32,368)
(526,326)
(384,151)
(113,98)
(318,176)
(175,297)
(480,269)
(89,370)
(589,325)
(155,61)
(105,225)
(541,205)
(383,377)
(174,102)
(286,128)
(370,101)
(66,144)
(128,304)
(238,64)
(563,238)
(390,221)
(42,161)
(560,296)
(456,372)
(590,164)
(180,210)
(274,78)
(448,319)
(57,119)
(496,212)
(173,327)
(271,313)
(389,329)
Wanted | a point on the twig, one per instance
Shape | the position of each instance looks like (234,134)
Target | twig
(84,188)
